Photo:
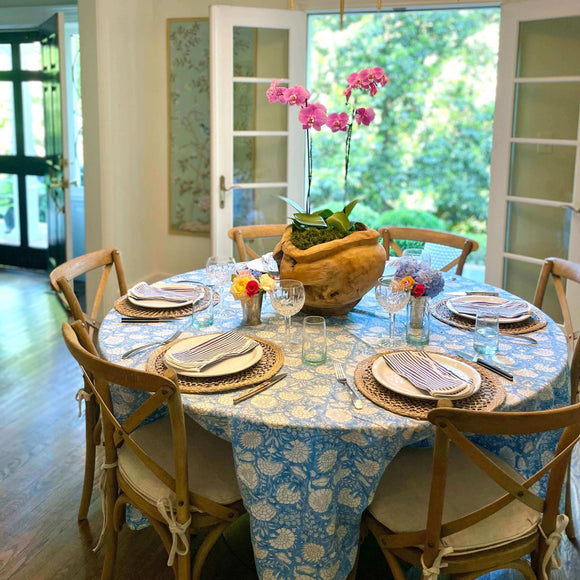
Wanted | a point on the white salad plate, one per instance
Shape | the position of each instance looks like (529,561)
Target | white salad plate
(396,383)
(491,300)
(196,291)
(220,369)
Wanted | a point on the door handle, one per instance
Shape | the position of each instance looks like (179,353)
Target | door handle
(223,190)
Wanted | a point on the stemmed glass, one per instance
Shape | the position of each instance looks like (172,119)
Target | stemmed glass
(392,298)
(219,270)
(287,299)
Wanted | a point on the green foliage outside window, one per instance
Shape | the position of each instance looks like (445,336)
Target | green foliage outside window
(425,160)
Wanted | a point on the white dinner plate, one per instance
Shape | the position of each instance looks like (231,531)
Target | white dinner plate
(394,382)
(491,300)
(226,367)
(197,294)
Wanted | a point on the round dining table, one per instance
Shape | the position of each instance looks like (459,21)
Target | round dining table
(307,461)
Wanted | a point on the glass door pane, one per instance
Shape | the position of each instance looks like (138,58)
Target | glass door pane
(9,210)
(36,211)
(7,122)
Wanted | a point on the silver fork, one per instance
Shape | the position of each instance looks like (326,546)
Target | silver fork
(134,351)
(341,378)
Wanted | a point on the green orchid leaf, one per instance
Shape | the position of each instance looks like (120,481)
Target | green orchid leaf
(340,221)
(348,208)
(324,213)
(291,202)
(310,220)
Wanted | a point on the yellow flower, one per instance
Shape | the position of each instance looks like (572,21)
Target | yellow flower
(267,283)
(407,283)
(238,287)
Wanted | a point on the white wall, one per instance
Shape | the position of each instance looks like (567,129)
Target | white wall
(124,84)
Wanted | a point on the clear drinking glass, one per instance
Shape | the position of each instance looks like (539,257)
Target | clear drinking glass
(486,336)
(219,270)
(392,298)
(418,254)
(314,340)
(287,299)
(204,318)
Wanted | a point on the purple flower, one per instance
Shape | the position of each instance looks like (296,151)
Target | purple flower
(275,93)
(313,116)
(365,116)
(296,95)
(422,274)
(337,122)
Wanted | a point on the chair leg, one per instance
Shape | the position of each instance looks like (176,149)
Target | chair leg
(91,419)
(569,510)
(111,534)
(205,548)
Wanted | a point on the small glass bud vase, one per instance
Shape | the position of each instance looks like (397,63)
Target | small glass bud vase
(418,321)
(252,310)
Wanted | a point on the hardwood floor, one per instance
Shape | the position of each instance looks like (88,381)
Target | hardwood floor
(42,458)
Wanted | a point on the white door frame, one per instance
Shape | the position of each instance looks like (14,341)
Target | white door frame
(222,21)
(511,15)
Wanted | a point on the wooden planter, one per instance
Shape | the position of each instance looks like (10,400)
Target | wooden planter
(337,274)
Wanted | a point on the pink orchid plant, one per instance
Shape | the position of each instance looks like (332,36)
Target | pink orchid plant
(315,116)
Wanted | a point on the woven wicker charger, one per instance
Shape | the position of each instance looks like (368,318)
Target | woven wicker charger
(270,363)
(440,311)
(491,393)
(126,308)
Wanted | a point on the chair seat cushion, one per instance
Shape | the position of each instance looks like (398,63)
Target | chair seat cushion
(210,462)
(401,501)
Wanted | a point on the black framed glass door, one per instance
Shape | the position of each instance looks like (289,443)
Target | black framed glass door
(23,191)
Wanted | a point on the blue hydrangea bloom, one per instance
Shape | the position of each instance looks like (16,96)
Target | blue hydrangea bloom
(422,274)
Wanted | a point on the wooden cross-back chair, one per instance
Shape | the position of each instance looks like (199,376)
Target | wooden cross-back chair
(62,276)
(61,280)
(465,245)
(177,474)
(463,509)
(242,234)
(562,272)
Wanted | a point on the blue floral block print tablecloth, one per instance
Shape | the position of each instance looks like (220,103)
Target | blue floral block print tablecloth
(307,461)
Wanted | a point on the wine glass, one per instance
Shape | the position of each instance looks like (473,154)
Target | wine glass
(419,255)
(392,298)
(287,299)
(219,270)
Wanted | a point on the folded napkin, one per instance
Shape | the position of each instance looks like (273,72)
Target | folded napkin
(221,347)
(143,291)
(426,373)
(506,309)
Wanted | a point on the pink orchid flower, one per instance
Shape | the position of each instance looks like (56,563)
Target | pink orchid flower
(365,116)
(313,116)
(337,122)
(296,95)
(353,81)
(275,93)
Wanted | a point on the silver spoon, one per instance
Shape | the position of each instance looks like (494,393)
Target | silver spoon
(134,351)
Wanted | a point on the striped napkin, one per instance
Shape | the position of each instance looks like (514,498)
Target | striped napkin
(143,291)
(210,352)
(426,373)
(505,309)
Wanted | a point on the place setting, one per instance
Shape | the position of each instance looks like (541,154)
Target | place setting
(412,382)
(515,316)
(161,302)
(218,362)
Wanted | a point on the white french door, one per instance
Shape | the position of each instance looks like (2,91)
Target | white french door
(534,209)
(257,148)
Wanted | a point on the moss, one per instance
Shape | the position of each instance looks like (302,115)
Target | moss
(304,239)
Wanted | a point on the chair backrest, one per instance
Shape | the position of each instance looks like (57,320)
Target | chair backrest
(242,234)
(62,276)
(164,390)
(561,272)
(465,245)
(451,426)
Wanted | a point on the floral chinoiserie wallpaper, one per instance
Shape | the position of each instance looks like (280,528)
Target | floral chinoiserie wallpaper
(189,120)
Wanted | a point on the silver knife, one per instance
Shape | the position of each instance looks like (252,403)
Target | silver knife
(261,387)
(497,370)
